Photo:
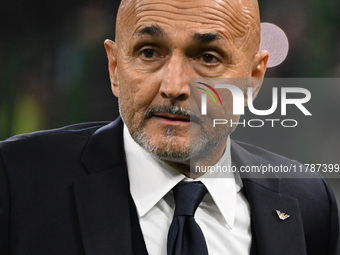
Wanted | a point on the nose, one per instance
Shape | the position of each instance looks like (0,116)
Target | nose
(175,84)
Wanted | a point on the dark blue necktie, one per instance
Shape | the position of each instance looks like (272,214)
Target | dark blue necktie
(185,236)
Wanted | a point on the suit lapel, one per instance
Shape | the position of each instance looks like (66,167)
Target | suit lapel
(271,234)
(105,229)
(102,194)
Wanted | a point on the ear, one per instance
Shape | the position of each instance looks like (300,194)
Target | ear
(111,51)
(258,70)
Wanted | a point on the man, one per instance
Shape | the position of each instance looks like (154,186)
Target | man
(108,188)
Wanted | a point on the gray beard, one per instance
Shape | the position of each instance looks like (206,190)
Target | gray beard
(199,147)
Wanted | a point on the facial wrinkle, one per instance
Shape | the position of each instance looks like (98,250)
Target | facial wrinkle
(236,22)
(238,18)
(232,15)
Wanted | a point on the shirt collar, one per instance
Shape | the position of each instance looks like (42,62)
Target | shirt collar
(223,188)
(151,179)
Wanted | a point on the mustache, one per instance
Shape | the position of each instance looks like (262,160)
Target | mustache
(175,110)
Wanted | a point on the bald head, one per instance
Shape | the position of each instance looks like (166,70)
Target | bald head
(240,18)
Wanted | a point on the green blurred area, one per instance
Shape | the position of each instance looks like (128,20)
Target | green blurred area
(53,67)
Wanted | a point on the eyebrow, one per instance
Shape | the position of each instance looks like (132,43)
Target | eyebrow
(153,30)
(206,38)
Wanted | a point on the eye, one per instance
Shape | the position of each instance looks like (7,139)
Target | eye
(148,53)
(209,58)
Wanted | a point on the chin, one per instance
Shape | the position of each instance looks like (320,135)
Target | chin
(164,146)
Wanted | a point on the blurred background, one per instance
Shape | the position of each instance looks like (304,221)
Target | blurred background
(53,69)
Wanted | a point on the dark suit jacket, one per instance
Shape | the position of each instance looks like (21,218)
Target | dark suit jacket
(66,191)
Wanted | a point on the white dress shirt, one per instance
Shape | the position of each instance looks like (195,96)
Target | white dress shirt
(223,215)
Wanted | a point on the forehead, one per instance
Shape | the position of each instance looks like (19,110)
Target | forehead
(229,18)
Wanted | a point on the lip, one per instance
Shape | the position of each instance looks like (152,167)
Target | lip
(172,118)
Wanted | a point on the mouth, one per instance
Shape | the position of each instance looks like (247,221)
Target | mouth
(172,118)
(173,115)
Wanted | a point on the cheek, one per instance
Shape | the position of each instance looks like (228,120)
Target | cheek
(137,89)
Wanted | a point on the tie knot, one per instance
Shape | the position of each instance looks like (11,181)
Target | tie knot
(188,195)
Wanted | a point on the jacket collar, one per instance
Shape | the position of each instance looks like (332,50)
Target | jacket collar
(105,148)
(102,194)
